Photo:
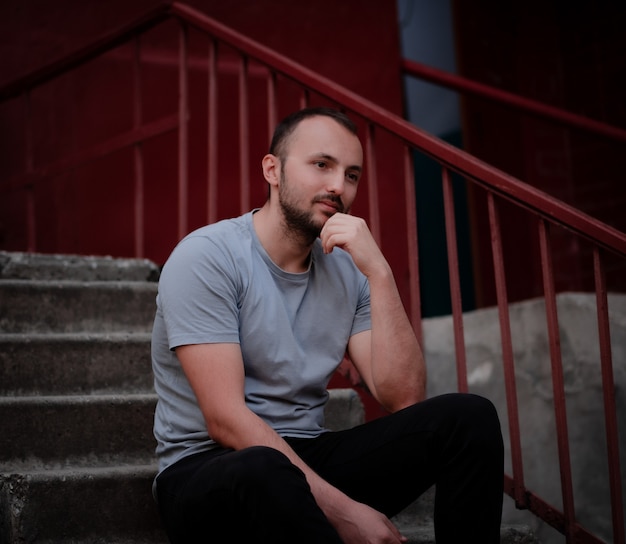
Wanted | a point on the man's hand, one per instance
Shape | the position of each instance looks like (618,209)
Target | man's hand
(352,234)
(359,524)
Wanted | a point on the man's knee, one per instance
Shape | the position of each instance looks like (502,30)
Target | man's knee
(476,418)
(475,407)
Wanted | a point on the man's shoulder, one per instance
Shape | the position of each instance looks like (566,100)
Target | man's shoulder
(225,235)
(217,244)
(236,226)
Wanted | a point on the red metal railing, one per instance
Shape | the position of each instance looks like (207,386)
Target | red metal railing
(526,105)
(565,523)
(499,188)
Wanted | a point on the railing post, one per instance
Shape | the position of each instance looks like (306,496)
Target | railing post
(507,354)
(212,136)
(29,159)
(272,108)
(413,246)
(455,281)
(372,184)
(244,138)
(183,137)
(137,152)
(304,98)
(558,383)
(610,411)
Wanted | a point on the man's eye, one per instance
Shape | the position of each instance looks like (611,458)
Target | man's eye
(354,178)
(320,164)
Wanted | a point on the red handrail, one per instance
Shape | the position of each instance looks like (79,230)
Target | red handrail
(151,18)
(527,105)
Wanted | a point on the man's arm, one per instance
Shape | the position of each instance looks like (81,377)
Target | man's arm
(388,357)
(215,372)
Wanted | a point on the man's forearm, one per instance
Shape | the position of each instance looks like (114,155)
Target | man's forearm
(355,522)
(246,429)
(393,362)
(397,363)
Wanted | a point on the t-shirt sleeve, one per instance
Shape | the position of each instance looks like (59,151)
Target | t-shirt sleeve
(198,294)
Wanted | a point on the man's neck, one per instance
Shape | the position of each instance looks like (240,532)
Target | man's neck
(287,250)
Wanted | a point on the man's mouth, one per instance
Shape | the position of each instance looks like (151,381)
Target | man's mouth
(331,203)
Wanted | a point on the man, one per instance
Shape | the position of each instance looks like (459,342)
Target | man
(254,315)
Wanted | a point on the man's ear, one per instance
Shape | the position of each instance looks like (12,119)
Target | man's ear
(271,169)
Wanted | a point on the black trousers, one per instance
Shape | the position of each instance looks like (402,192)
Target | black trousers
(257,495)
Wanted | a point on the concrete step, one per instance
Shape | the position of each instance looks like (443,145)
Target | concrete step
(48,429)
(75,363)
(40,266)
(95,505)
(83,429)
(509,534)
(75,306)
(344,409)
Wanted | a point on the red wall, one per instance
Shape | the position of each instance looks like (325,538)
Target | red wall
(89,210)
(568,55)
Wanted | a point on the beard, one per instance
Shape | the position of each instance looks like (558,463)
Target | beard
(300,222)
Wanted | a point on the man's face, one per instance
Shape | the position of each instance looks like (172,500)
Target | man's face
(320,174)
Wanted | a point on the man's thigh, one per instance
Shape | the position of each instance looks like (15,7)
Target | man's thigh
(386,463)
(255,494)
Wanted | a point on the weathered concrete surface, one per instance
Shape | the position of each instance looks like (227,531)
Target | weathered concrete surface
(344,409)
(583,386)
(89,505)
(60,306)
(69,427)
(38,266)
(79,363)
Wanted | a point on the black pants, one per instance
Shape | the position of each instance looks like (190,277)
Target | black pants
(257,495)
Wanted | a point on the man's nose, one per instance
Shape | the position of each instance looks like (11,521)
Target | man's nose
(336,184)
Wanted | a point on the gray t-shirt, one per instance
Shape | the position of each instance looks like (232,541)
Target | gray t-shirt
(220,286)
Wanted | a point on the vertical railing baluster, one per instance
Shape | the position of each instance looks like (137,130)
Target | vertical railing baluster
(507,354)
(455,281)
(212,136)
(138,152)
(272,107)
(610,410)
(304,98)
(415,310)
(29,160)
(372,183)
(183,136)
(244,137)
(558,382)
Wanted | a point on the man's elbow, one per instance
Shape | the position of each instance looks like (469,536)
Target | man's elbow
(404,399)
(223,431)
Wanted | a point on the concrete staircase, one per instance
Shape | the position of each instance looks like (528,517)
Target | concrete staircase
(77,403)
(76,400)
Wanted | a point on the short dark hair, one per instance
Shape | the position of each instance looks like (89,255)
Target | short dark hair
(286,127)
